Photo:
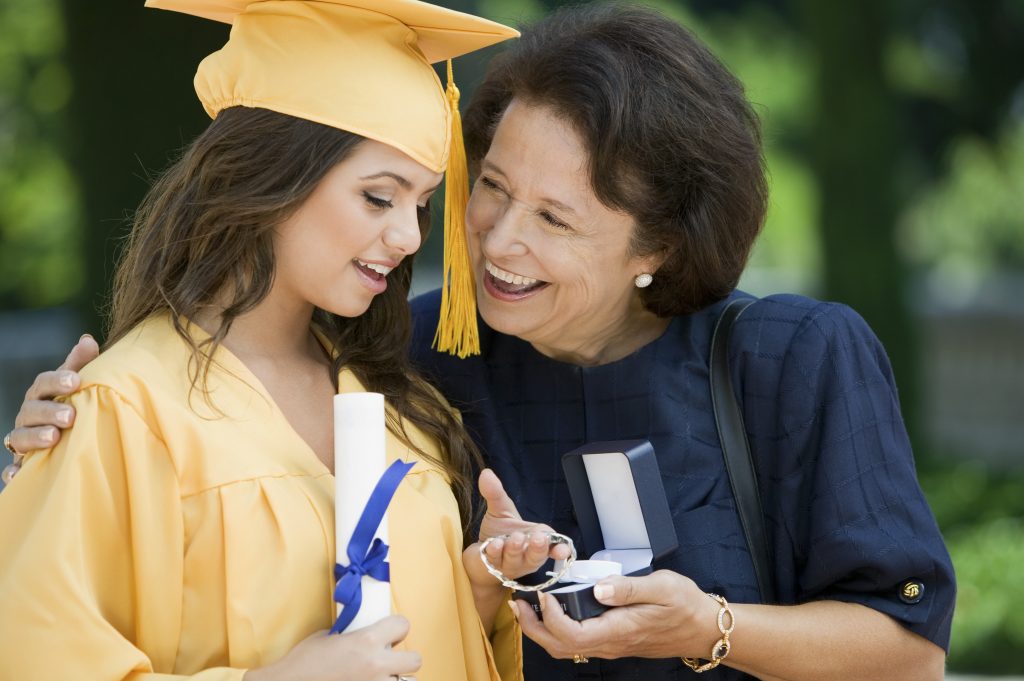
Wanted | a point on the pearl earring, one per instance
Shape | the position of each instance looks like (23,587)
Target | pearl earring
(643,280)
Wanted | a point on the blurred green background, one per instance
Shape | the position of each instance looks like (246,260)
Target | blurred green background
(895,142)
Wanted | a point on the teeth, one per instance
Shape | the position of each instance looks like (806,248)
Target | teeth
(508,277)
(379,269)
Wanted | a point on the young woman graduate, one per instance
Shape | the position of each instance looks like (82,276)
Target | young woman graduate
(185,528)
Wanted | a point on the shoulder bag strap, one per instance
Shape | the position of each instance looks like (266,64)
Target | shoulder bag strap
(738,462)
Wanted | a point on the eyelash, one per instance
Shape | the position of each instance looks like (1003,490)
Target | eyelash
(377,202)
(490,184)
(552,220)
(544,215)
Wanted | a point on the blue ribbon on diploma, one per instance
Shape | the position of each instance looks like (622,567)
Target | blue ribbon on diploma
(366,554)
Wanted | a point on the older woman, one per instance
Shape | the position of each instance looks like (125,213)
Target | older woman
(619,188)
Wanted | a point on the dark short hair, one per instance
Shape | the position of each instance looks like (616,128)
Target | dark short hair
(671,137)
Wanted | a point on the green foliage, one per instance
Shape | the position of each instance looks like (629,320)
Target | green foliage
(512,12)
(981,513)
(968,492)
(40,262)
(973,219)
(920,68)
(988,627)
(771,59)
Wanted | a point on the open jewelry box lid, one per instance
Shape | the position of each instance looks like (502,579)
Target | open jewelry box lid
(620,503)
(623,515)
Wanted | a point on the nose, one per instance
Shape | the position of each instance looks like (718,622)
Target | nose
(403,234)
(502,235)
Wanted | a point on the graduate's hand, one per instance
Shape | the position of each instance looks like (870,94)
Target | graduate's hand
(40,419)
(660,615)
(521,553)
(363,655)
(527,547)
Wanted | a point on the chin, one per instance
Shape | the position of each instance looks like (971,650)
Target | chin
(506,322)
(349,309)
(489,309)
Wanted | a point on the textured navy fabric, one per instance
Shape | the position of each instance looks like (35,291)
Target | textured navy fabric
(846,517)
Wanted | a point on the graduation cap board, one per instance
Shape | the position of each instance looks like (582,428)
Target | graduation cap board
(620,503)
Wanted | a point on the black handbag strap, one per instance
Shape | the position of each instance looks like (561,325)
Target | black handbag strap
(738,462)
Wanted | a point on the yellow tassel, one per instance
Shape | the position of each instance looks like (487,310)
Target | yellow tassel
(457,331)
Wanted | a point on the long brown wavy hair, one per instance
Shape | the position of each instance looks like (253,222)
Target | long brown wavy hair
(203,235)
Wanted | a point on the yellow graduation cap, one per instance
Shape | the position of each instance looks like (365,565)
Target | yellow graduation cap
(363,66)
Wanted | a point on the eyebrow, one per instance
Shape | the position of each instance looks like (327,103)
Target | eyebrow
(404,183)
(489,165)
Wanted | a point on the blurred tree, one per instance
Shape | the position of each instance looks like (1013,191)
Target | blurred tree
(897,84)
(40,263)
(960,70)
(133,105)
(867,93)
(971,221)
(514,12)
(854,150)
(961,67)
(770,56)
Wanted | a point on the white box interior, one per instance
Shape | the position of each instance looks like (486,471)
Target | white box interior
(617,502)
(631,559)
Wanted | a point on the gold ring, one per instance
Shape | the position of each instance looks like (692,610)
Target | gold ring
(11,469)
(8,445)
(580,659)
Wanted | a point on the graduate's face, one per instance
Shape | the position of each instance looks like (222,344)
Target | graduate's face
(336,251)
(552,263)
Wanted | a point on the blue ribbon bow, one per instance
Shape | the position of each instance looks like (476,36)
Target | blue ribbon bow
(366,554)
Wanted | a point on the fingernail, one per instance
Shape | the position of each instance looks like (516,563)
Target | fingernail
(515,610)
(64,417)
(65,380)
(603,591)
(84,336)
(47,435)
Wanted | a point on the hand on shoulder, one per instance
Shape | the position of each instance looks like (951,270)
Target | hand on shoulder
(40,420)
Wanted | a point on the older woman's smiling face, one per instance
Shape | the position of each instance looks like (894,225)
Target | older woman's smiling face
(552,263)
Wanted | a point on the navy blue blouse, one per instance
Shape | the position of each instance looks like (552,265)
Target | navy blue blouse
(845,515)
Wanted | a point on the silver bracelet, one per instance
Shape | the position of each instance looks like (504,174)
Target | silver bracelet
(555,538)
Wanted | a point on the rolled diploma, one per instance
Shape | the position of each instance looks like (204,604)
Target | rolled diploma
(359,461)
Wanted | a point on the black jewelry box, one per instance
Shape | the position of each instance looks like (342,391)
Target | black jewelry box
(623,515)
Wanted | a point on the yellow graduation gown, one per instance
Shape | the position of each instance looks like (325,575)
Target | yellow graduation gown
(162,538)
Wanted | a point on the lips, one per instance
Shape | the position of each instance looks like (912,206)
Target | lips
(373,275)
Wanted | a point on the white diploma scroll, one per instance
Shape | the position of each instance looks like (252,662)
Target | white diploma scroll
(359,462)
